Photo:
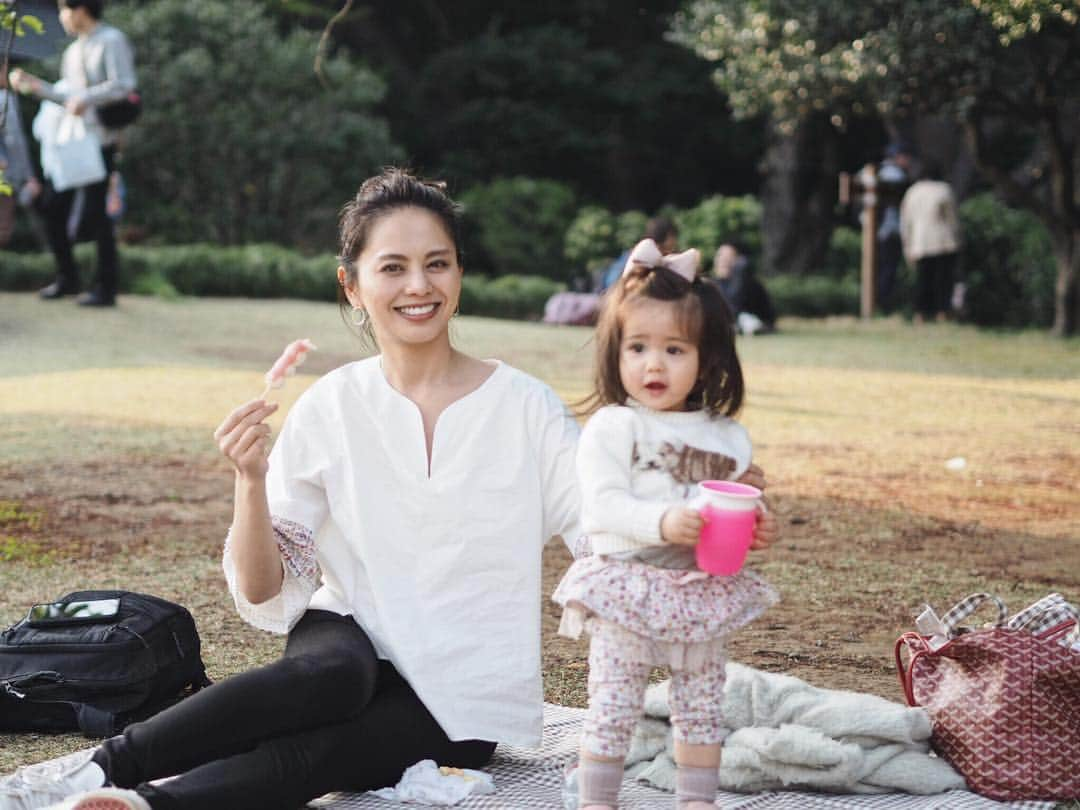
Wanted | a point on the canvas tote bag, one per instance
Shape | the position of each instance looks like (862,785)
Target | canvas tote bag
(77,159)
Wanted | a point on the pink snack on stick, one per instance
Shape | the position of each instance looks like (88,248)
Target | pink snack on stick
(295,354)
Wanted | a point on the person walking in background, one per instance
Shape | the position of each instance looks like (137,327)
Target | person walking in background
(930,231)
(893,178)
(15,162)
(97,70)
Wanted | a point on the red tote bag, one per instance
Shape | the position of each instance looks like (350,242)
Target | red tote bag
(1004,702)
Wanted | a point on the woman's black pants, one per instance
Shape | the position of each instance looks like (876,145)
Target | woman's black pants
(934,284)
(328,716)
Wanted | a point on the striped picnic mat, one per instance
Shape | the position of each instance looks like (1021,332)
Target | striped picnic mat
(527,778)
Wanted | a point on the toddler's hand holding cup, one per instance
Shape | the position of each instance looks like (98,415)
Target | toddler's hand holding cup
(730,512)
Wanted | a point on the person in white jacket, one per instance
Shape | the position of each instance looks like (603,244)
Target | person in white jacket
(930,231)
(97,70)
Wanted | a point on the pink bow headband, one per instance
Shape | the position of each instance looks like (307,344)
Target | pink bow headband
(647,253)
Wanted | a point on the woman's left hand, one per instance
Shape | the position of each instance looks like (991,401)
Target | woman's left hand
(766,530)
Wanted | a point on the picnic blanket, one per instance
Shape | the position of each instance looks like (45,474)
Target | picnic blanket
(527,779)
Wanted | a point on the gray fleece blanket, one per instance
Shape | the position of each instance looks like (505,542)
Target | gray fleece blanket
(787,734)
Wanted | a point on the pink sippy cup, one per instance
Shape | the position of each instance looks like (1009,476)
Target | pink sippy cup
(730,512)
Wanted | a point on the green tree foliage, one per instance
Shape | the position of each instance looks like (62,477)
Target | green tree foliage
(1008,265)
(586,92)
(1007,70)
(238,140)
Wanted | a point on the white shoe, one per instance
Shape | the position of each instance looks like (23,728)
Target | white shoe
(106,798)
(37,786)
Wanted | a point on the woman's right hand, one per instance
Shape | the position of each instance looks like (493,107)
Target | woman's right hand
(244,438)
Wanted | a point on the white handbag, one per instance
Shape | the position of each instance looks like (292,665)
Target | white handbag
(76,159)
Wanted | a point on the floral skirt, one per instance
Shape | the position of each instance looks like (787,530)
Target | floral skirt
(661,604)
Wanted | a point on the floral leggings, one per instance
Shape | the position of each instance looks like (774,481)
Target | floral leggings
(619,665)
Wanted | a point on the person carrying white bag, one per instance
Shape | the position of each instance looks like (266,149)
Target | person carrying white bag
(97,70)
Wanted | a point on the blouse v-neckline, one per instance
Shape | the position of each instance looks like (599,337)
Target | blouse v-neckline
(429,459)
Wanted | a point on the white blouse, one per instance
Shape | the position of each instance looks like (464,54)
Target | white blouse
(442,570)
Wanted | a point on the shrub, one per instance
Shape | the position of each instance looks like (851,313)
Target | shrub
(1007,263)
(277,158)
(513,296)
(25,271)
(629,228)
(521,223)
(844,257)
(261,271)
(813,296)
(716,220)
(590,239)
(154,284)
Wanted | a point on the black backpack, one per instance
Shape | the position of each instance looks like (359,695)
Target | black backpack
(97,675)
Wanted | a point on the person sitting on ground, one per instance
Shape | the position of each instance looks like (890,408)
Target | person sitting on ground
(744,293)
(661,230)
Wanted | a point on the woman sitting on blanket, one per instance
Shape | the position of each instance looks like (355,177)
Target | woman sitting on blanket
(394,533)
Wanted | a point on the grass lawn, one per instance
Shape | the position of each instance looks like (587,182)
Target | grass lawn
(109,477)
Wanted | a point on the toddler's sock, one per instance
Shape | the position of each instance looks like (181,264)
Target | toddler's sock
(598,782)
(696,784)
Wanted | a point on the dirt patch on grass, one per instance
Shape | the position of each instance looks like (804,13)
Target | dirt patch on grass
(90,509)
(877,518)
(852,571)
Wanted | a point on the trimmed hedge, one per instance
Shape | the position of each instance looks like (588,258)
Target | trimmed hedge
(813,296)
(513,296)
(270,271)
(1008,265)
(260,271)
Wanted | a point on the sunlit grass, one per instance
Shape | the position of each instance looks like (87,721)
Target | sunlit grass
(853,422)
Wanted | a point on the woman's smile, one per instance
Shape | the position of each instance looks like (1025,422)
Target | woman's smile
(418,312)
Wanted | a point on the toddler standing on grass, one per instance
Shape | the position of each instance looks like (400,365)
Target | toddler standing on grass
(668,382)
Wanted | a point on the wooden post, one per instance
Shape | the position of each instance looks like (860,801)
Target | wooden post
(868,271)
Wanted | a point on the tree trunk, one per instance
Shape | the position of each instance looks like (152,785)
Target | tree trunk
(1067,285)
(798,196)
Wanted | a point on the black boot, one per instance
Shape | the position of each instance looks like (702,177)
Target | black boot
(59,288)
(97,298)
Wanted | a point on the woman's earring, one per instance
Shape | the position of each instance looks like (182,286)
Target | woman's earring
(359,317)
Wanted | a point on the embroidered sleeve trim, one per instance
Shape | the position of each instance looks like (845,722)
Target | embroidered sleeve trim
(581,547)
(296,543)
